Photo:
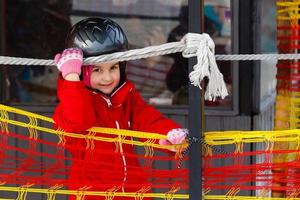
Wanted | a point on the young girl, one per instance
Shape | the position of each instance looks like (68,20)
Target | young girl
(101,96)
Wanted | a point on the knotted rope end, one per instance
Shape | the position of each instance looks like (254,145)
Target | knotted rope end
(202,46)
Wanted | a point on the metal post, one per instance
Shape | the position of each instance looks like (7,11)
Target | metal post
(196,110)
(2,45)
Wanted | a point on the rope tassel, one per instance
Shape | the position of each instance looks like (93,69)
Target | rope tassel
(202,46)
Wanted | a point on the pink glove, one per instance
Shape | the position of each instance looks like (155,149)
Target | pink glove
(175,136)
(70,61)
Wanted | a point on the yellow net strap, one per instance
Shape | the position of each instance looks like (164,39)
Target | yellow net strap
(234,137)
(92,137)
(288,7)
(145,135)
(221,197)
(83,192)
(92,132)
(211,138)
(136,195)
(288,3)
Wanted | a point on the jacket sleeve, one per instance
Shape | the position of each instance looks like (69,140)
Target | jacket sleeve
(74,112)
(147,118)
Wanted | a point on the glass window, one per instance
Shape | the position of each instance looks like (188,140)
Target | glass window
(268,45)
(34,29)
(217,23)
(40,32)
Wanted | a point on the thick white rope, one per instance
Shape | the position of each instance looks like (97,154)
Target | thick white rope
(8,60)
(204,48)
(236,57)
(192,44)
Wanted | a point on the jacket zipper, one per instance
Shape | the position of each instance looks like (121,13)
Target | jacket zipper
(123,158)
(108,101)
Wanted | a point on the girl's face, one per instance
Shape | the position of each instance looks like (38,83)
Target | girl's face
(105,77)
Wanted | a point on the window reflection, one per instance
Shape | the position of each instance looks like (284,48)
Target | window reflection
(217,23)
(35,29)
(268,36)
(40,31)
(177,77)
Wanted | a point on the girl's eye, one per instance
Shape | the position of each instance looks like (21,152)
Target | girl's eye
(96,69)
(114,67)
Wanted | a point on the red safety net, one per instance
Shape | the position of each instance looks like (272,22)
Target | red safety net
(42,160)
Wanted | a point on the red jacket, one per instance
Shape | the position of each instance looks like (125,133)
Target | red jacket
(80,109)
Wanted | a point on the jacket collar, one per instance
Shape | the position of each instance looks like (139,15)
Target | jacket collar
(119,96)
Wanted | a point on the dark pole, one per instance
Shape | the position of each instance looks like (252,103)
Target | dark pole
(246,68)
(196,118)
(2,45)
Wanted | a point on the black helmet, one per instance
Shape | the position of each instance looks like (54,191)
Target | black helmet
(97,36)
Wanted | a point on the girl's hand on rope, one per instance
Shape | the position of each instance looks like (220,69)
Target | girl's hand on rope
(175,136)
(69,62)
